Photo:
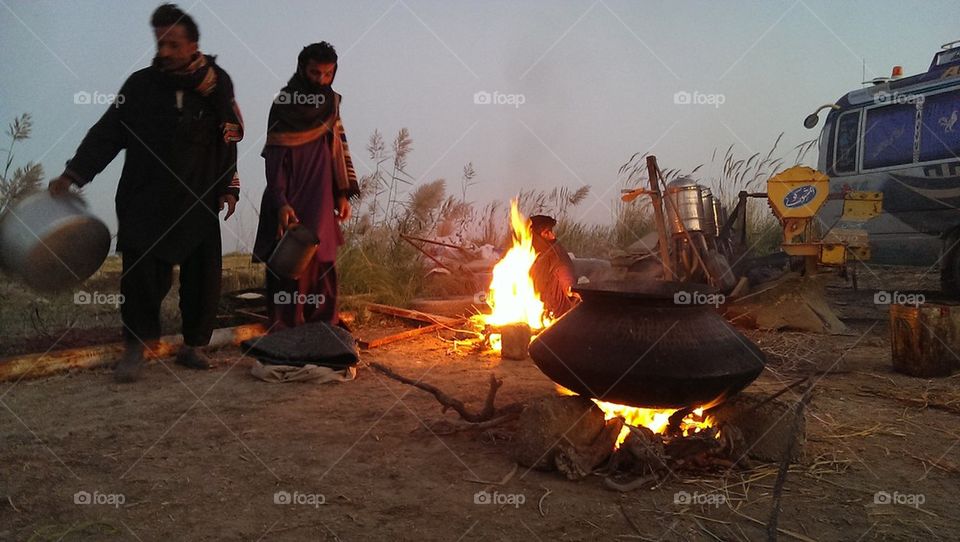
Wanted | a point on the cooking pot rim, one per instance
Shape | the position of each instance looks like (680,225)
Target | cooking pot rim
(658,289)
(71,197)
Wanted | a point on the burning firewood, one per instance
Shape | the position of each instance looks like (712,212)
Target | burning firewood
(649,456)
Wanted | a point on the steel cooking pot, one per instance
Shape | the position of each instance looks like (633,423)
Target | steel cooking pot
(52,243)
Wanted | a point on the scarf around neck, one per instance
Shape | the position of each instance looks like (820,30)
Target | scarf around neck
(204,76)
(301,112)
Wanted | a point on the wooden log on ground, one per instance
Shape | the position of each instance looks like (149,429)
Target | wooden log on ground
(412,314)
(451,306)
(375,343)
(514,341)
(45,364)
(924,337)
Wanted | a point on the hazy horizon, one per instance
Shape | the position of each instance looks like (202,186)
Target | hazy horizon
(596,80)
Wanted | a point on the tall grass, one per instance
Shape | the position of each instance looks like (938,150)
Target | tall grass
(377,264)
(24,179)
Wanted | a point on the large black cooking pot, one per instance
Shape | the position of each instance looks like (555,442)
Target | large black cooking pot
(655,345)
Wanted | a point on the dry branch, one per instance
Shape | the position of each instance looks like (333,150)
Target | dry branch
(947,404)
(488,412)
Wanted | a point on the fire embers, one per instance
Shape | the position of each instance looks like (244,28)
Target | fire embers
(644,458)
(573,435)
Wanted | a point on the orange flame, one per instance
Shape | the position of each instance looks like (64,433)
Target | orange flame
(653,419)
(512,296)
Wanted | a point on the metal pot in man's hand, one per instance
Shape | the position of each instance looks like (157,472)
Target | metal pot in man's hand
(294,252)
(52,242)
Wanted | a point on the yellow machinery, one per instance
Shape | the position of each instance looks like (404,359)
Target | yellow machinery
(796,195)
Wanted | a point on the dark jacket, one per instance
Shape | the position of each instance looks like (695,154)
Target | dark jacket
(176,168)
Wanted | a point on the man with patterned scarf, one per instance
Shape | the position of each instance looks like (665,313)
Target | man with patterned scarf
(310,179)
(179,124)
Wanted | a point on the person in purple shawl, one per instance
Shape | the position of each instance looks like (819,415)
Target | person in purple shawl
(310,179)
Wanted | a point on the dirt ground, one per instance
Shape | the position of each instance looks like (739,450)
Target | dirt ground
(185,455)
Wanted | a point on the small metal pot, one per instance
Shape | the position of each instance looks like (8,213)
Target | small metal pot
(52,243)
(294,252)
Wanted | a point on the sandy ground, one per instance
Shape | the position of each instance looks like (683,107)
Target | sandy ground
(186,455)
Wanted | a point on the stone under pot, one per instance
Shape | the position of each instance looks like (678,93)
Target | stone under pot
(655,345)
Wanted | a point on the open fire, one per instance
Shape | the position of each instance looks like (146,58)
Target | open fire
(513,299)
(512,296)
(656,420)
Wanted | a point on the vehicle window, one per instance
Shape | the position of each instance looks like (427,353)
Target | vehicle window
(847,138)
(940,129)
(947,57)
(888,135)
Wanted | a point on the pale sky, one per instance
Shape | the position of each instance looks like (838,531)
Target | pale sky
(597,79)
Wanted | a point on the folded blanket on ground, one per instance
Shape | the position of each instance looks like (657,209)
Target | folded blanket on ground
(315,343)
(279,374)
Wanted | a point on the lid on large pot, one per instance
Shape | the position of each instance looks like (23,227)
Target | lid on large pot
(52,243)
(651,292)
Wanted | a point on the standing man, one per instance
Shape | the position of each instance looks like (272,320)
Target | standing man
(552,271)
(179,124)
(310,179)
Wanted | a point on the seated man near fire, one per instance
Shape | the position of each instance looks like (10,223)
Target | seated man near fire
(552,271)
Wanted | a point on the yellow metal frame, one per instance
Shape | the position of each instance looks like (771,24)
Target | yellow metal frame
(860,206)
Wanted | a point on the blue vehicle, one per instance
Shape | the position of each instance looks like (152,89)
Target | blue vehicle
(901,136)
